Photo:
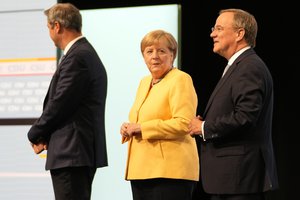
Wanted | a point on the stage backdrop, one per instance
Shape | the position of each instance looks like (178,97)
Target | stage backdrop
(116,34)
(27,62)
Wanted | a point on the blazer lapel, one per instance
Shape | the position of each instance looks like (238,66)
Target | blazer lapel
(144,91)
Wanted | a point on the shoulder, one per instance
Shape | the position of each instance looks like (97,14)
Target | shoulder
(252,65)
(145,80)
(176,74)
(250,61)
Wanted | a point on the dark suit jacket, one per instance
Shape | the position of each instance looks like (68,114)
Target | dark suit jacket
(237,156)
(73,121)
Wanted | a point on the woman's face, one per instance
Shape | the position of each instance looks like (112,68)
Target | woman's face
(158,58)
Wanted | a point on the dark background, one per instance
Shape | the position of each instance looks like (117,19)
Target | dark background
(277,44)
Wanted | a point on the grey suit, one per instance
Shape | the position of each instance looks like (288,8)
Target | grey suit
(237,156)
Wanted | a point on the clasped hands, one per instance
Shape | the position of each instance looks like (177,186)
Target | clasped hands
(39,147)
(130,129)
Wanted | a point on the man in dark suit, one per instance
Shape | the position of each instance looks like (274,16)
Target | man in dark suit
(236,157)
(71,126)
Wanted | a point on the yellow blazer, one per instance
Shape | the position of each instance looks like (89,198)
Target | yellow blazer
(164,149)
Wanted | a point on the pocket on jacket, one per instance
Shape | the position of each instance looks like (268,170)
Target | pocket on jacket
(231,151)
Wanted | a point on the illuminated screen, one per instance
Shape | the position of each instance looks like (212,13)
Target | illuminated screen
(27,58)
(116,34)
(27,62)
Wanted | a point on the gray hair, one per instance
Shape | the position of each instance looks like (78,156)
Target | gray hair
(66,14)
(245,20)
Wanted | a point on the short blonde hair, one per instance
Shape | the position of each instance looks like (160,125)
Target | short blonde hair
(156,35)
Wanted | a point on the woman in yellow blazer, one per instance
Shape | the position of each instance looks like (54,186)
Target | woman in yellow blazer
(162,162)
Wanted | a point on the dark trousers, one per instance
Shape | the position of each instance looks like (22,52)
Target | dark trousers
(162,189)
(256,196)
(73,183)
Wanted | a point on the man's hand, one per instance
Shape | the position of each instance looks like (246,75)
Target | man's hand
(38,148)
(195,126)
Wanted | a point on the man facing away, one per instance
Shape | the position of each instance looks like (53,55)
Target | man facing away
(71,126)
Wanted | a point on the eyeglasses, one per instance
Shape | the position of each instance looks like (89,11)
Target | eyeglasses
(217,28)
(221,28)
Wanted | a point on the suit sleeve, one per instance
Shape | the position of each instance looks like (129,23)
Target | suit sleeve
(69,90)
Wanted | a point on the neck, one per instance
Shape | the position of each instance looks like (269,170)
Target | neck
(68,37)
(157,80)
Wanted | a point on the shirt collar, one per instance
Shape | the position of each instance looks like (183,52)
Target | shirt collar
(232,59)
(69,45)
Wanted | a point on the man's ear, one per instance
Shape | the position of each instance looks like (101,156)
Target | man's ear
(57,27)
(240,34)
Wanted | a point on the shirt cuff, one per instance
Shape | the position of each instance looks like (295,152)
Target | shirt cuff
(202,129)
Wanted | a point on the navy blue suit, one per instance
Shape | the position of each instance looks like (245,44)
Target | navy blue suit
(237,156)
(72,122)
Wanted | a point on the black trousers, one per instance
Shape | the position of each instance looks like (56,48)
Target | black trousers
(162,189)
(73,183)
(255,196)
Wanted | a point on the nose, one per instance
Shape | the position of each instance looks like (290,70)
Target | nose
(212,34)
(155,54)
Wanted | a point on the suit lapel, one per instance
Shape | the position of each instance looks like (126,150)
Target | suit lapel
(215,91)
(62,59)
(226,77)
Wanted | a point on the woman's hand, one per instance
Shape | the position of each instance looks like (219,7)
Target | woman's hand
(130,129)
